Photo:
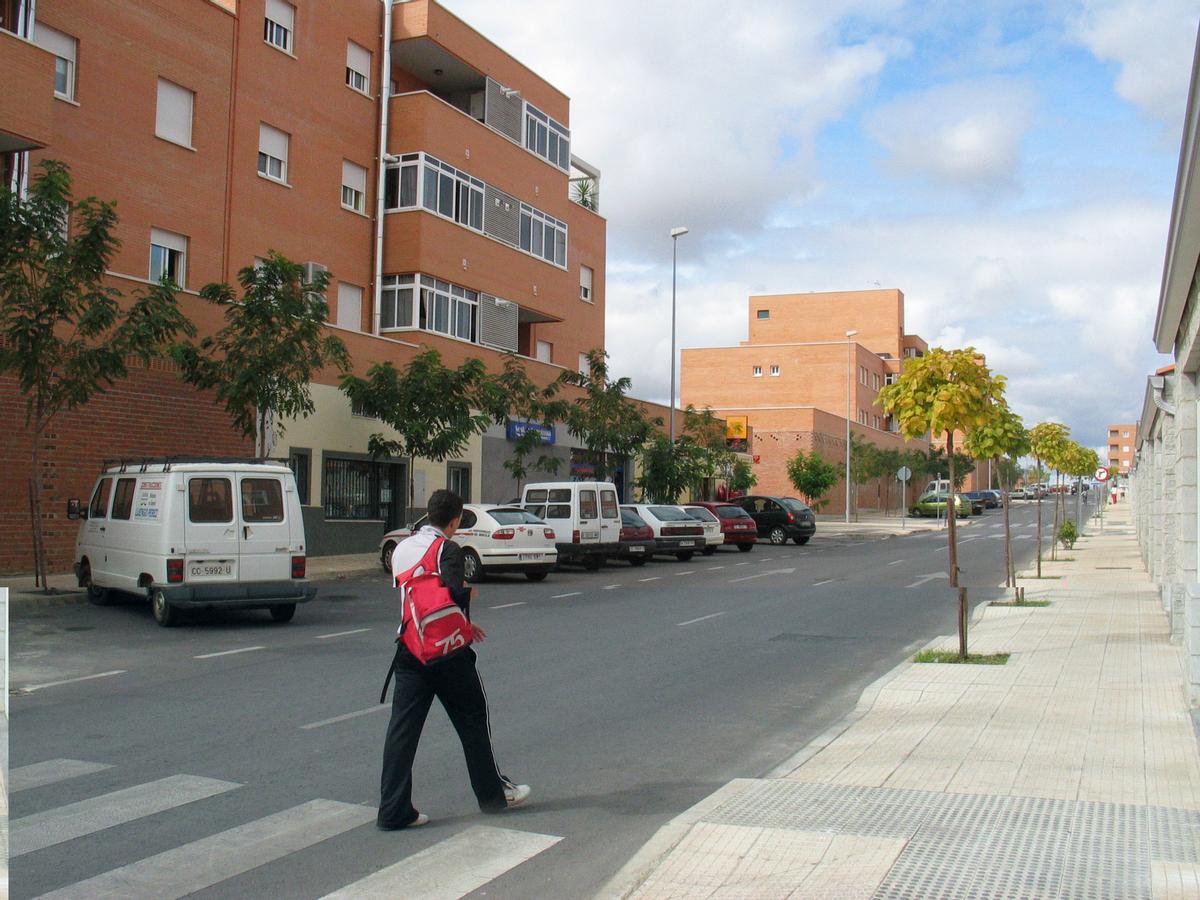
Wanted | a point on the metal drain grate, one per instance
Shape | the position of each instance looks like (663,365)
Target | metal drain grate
(987,846)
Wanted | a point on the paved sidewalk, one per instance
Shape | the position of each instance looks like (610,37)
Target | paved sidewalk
(1072,771)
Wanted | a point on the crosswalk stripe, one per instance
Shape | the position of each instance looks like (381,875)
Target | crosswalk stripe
(50,771)
(200,864)
(451,868)
(65,823)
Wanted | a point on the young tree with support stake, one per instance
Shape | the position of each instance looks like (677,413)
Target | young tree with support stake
(1047,443)
(603,418)
(1005,435)
(64,336)
(812,476)
(942,392)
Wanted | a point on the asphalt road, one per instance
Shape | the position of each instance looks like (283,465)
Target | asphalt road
(622,696)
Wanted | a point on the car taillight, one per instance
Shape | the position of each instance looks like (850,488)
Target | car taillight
(549,533)
(298,566)
(574,537)
(174,570)
(791,517)
(647,533)
(503,534)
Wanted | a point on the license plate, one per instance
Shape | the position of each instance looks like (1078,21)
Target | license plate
(637,549)
(687,543)
(532,557)
(214,569)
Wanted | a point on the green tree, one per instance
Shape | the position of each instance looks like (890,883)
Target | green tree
(609,425)
(1047,443)
(1004,436)
(64,336)
(864,465)
(944,392)
(512,393)
(740,475)
(436,410)
(271,347)
(888,461)
(666,472)
(812,477)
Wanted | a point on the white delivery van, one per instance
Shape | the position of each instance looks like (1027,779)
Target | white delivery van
(194,533)
(584,516)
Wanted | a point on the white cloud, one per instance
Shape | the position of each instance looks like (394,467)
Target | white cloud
(964,135)
(1151,42)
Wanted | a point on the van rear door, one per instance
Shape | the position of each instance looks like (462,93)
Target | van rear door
(264,530)
(211,529)
(610,516)
(589,516)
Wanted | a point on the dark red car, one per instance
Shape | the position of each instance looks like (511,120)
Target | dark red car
(637,539)
(738,527)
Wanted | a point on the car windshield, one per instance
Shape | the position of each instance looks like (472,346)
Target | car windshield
(732,512)
(700,513)
(514,517)
(630,519)
(669,514)
(794,505)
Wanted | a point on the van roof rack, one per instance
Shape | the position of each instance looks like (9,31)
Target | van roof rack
(141,464)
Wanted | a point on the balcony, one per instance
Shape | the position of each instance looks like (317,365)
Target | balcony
(585,184)
(27,98)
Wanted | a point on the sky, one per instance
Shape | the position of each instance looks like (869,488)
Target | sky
(1008,165)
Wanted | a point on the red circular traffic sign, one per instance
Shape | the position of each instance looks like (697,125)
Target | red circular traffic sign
(1102,474)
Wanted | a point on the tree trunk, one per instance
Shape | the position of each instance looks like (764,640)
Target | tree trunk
(1009,576)
(1039,523)
(39,540)
(1057,512)
(950,512)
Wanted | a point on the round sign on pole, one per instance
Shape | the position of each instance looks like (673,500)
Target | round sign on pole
(903,473)
(1102,474)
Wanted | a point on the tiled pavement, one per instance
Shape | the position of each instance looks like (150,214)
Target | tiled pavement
(1072,771)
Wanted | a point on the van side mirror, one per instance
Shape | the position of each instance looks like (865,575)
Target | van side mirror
(75,509)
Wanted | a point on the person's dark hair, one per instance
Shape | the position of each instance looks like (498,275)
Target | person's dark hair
(444,507)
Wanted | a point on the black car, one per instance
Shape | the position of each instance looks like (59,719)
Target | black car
(981,500)
(780,518)
(637,542)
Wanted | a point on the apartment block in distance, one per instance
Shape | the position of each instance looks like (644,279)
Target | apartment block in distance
(799,377)
(430,173)
(1122,445)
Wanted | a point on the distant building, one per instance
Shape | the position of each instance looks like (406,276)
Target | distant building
(1121,447)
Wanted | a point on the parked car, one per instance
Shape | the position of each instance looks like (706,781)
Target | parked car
(988,499)
(737,526)
(494,539)
(998,497)
(637,539)
(1018,493)
(713,537)
(675,532)
(198,534)
(584,516)
(935,505)
(780,518)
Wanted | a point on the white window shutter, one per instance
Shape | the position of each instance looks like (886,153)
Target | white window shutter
(282,13)
(272,141)
(168,239)
(173,116)
(358,59)
(349,308)
(55,41)
(354,176)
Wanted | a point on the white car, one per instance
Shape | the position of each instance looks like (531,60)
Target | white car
(675,532)
(713,536)
(494,539)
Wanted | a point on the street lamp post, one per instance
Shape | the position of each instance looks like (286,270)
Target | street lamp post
(849,387)
(676,233)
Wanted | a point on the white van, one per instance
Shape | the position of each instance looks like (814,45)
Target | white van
(584,516)
(194,534)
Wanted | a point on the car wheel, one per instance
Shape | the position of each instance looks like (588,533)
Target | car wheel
(536,576)
(593,563)
(164,613)
(745,548)
(385,555)
(472,566)
(96,595)
(283,612)
(684,555)
(709,551)
(802,540)
(637,560)
(777,536)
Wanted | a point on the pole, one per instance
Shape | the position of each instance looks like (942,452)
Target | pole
(849,385)
(674,254)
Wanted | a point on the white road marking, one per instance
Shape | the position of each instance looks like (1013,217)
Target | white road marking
(197,865)
(610,587)
(701,619)
(713,568)
(350,715)
(50,771)
(451,868)
(819,583)
(927,578)
(228,652)
(48,684)
(895,562)
(572,594)
(688,572)
(762,575)
(321,637)
(65,823)
(652,578)
(507,605)
(746,563)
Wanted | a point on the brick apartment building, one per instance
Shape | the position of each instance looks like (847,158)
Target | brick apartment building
(1122,445)
(799,377)
(449,210)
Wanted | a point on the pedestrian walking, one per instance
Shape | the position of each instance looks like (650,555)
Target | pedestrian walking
(452,678)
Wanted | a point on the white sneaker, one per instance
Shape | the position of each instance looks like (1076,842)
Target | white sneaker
(420,820)
(516,794)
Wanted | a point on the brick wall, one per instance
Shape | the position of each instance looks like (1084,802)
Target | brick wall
(151,413)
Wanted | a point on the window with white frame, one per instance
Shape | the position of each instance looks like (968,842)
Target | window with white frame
(585,367)
(862,417)
(168,256)
(875,381)
(358,68)
(543,236)
(397,301)
(547,138)
(890,377)
(774,371)
(874,421)
(545,351)
(279,25)
(862,375)
(756,371)
(173,114)
(272,152)
(448,309)
(585,283)
(349,308)
(354,186)
(63,46)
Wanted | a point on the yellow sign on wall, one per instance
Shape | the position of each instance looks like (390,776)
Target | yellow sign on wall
(736,426)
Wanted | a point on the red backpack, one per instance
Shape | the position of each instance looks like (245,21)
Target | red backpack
(432,624)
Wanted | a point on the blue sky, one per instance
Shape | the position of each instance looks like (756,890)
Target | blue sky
(1008,165)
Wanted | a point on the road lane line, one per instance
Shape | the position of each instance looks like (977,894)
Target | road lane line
(819,583)
(926,578)
(652,578)
(610,587)
(438,872)
(895,562)
(321,637)
(713,568)
(572,594)
(701,619)
(688,572)
(762,575)
(228,652)
(65,823)
(745,563)
(197,865)
(507,605)
(342,718)
(37,687)
(51,771)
